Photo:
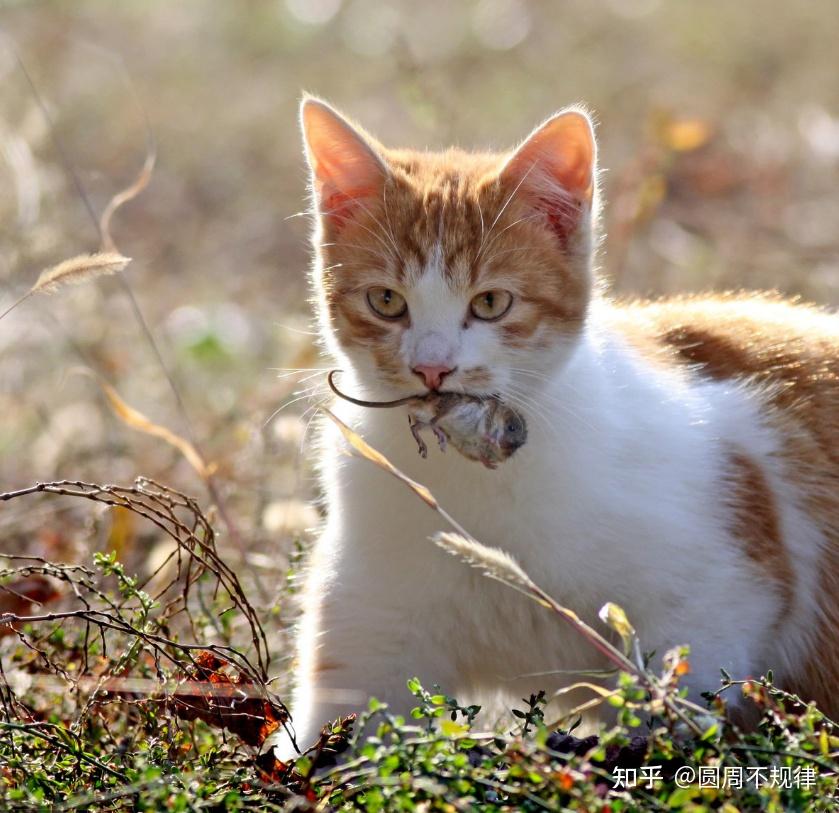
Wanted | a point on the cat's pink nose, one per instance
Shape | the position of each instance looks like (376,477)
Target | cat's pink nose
(432,374)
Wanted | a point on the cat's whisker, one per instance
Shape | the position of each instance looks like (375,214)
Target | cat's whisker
(528,407)
(387,232)
(535,389)
(540,396)
(376,236)
(515,250)
(534,373)
(301,395)
(504,207)
(527,410)
(375,252)
(387,219)
(536,215)
(536,401)
(292,329)
(526,398)
(291,370)
(541,376)
(395,253)
(310,376)
(307,374)
(314,409)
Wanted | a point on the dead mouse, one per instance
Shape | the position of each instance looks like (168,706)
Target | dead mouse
(481,428)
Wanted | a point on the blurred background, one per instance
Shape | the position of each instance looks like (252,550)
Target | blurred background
(719,134)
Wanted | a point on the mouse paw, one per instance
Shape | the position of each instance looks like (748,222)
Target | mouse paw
(421,447)
(442,439)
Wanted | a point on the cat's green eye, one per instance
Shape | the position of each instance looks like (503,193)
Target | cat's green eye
(491,305)
(387,303)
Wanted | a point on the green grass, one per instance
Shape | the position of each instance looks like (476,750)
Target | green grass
(122,694)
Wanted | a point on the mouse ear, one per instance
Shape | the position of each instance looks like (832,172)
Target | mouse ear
(555,168)
(346,166)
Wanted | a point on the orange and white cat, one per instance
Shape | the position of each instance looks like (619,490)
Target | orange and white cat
(682,458)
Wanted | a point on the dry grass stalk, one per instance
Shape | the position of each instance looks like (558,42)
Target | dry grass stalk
(79,269)
(498,565)
(74,271)
(127,194)
(493,561)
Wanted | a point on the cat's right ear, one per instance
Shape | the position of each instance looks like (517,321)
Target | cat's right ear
(346,168)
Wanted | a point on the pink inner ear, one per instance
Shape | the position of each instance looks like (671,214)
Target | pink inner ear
(563,216)
(555,169)
(340,207)
(346,169)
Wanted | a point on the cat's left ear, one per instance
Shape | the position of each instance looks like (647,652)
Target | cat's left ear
(346,168)
(555,167)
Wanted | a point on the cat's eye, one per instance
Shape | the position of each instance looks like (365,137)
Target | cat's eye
(491,305)
(387,303)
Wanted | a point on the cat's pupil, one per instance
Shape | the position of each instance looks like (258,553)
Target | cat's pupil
(489,299)
(387,295)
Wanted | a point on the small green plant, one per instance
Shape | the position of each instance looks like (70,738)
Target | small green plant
(122,703)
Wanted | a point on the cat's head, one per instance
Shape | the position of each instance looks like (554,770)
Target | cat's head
(452,270)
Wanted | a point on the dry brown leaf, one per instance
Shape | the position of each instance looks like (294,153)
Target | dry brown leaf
(614,615)
(365,450)
(222,699)
(136,420)
(18,597)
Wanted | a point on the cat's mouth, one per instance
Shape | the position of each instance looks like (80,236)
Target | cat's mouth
(425,395)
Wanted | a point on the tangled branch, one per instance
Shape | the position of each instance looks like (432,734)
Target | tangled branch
(162,641)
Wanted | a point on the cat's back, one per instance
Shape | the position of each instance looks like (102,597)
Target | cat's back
(788,353)
(788,349)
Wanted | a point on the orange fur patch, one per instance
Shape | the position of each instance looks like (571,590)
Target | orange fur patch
(476,378)
(756,524)
(322,666)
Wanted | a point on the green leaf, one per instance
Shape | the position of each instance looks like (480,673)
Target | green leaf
(451,729)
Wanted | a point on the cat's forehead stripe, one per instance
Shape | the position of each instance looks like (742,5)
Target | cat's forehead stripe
(440,227)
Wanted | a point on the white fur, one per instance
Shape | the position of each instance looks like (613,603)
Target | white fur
(615,497)
(618,495)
